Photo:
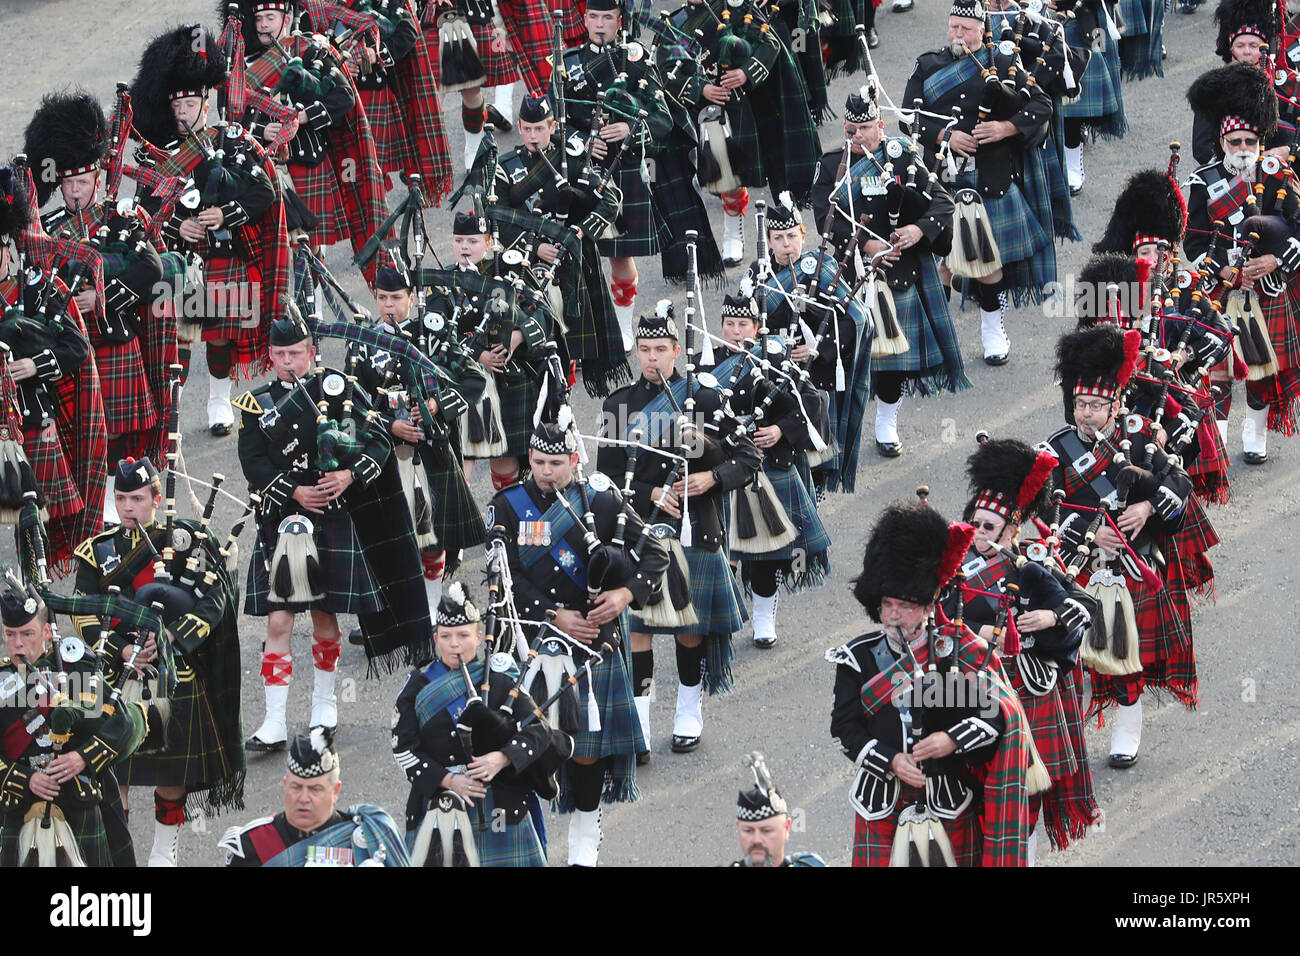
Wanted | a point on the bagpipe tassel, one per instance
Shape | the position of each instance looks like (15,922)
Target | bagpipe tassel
(459,64)
(1037,779)
(593,708)
(775,531)
(1119,652)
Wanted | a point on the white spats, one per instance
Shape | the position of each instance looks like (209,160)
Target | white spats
(584,837)
(1222,424)
(503,99)
(110,506)
(887,422)
(1254,435)
(627,324)
(433,589)
(993,336)
(764,620)
(219,410)
(1074,168)
(166,840)
(1031,846)
(274,729)
(643,715)
(688,721)
(324,705)
(733,240)
(1126,730)
(471,146)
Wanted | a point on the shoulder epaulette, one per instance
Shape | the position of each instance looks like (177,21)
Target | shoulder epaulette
(231,840)
(248,403)
(844,653)
(86,550)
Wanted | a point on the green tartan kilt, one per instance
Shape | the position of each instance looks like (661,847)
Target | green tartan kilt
(519,392)
(1140,48)
(194,756)
(716,596)
(644,230)
(517,845)
(1100,102)
(457,519)
(812,543)
(744,134)
(933,359)
(682,206)
(85,822)
(1026,246)
(349,586)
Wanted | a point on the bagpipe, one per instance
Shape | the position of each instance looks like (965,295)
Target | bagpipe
(720,157)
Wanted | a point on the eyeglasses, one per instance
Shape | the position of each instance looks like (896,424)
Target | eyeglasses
(1098,406)
(988,526)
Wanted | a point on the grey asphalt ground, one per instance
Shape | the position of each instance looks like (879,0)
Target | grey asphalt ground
(1214,786)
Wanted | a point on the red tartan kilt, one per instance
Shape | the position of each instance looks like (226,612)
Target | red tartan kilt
(1209,472)
(1280,316)
(394,145)
(575,22)
(50,465)
(873,840)
(1047,723)
(498,63)
(124,387)
(319,189)
(229,284)
(1196,536)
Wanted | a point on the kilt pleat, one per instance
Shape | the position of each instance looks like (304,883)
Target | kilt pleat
(873,840)
(1070,807)
(394,146)
(619,737)
(229,319)
(1100,103)
(715,595)
(1047,723)
(319,189)
(1140,48)
(644,229)
(350,588)
(87,827)
(933,361)
(1058,187)
(683,209)
(50,464)
(124,388)
(498,63)
(1038,186)
(457,518)
(519,392)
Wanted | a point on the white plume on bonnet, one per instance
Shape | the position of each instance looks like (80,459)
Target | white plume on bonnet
(786,199)
(662,308)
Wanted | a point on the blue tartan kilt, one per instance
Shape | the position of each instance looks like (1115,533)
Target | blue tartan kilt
(620,728)
(644,229)
(517,845)
(1100,102)
(349,586)
(933,358)
(1016,230)
(715,594)
(1140,48)
(811,539)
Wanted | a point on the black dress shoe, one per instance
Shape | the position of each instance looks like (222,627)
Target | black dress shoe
(1254,457)
(254,744)
(873,39)
(219,431)
(684,745)
(889,449)
(497,119)
(1187,6)
(356,637)
(996,360)
(643,758)
(1123,761)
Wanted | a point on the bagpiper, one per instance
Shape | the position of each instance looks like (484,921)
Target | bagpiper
(942,761)
(615,106)
(196,759)
(334,534)
(476,756)
(763,822)
(63,733)
(1248,31)
(1099,107)
(1000,243)
(1109,462)
(311,830)
(756,125)
(1250,193)
(230,215)
(580,555)
(1015,594)
(877,200)
(679,494)
(133,330)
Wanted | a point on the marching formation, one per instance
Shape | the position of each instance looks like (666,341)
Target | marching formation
(1064,592)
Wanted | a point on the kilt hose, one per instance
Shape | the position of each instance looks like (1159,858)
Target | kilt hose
(349,586)
(644,231)
(1100,103)
(1026,246)
(1141,51)
(394,146)
(234,310)
(933,361)
(1070,807)
(812,543)
(124,388)
(497,845)
(873,840)
(53,471)
(86,823)
(619,736)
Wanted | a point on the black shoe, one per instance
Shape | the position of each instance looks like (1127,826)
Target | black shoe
(355,637)
(889,449)
(1123,761)
(873,39)
(996,360)
(219,431)
(643,758)
(1187,6)
(1254,457)
(684,745)
(765,642)
(255,745)
(495,117)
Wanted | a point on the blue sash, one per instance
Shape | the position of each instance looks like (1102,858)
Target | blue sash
(948,78)
(729,365)
(565,555)
(657,415)
(377,831)
(836,291)
(445,691)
